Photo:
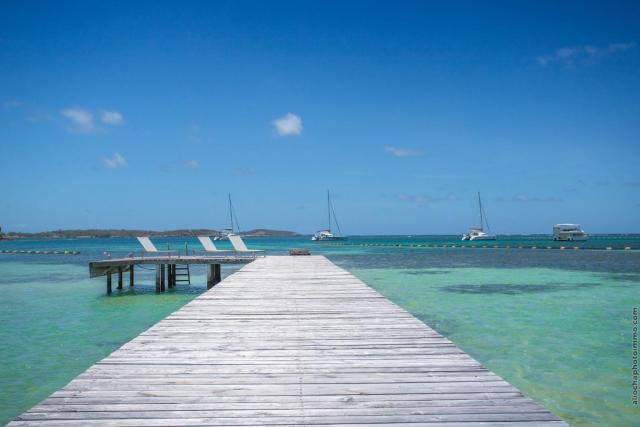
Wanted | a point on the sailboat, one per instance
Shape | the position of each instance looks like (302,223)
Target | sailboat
(327,235)
(224,234)
(478,233)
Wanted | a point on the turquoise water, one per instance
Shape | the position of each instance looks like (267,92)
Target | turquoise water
(557,324)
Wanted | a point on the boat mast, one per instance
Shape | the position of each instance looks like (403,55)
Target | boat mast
(230,213)
(329,209)
(481,216)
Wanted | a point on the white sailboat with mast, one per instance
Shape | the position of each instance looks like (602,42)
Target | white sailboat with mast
(224,234)
(479,233)
(327,235)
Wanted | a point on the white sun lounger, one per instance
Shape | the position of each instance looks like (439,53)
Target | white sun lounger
(209,246)
(148,245)
(239,246)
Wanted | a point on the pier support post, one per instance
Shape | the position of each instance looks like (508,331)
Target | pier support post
(213,275)
(108,283)
(162,278)
(157,277)
(217,274)
(172,275)
(131,275)
(119,277)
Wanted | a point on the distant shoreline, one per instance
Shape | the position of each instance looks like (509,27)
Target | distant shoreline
(109,233)
(260,232)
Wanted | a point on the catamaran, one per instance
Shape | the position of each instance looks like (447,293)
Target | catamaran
(479,233)
(327,235)
(224,234)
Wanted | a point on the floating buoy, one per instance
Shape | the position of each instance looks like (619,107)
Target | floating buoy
(533,247)
(627,248)
(576,248)
(562,248)
(609,248)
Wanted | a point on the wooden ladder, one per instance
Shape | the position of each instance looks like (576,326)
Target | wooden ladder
(183,274)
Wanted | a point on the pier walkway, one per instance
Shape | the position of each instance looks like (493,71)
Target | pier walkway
(288,341)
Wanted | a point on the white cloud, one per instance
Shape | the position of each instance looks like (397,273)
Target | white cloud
(191,164)
(621,47)
(81,120)
(587,53)
(568,52)
(401,152)
(112,118)
(115,162)
(289,124)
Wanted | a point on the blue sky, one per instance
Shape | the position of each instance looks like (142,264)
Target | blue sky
(145,114)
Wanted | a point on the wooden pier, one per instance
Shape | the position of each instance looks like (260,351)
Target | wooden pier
(165,268)
(288,341)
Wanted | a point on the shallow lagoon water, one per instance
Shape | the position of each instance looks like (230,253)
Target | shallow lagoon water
(555,324)
(562,337)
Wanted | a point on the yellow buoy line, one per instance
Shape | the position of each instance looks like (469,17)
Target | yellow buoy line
(532,247)
(39,252)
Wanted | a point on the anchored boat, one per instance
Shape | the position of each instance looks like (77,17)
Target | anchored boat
(569,233)
(224,234)
(327,235)
(479,233)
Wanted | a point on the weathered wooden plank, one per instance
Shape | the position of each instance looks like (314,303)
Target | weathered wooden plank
(288,341)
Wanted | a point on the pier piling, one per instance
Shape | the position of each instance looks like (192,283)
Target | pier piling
(213,275)
(157,278)
(131,275)
(108,283)
(119,277)
(162,274)
(172,275)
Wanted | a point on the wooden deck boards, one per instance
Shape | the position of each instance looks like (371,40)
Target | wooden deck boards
(288,341)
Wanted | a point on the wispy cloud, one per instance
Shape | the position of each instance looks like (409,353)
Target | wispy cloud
(115,162)
(523,198)
(587,53)
(81,120)
(191,164)
(113,118)
(10,104)
(244,172)
(621,47)
(288,125)
(401,152)
(423,200)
